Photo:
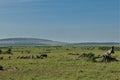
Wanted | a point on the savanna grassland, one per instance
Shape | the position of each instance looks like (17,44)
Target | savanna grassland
(62,63)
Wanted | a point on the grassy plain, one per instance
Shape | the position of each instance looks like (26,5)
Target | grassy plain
(62,63)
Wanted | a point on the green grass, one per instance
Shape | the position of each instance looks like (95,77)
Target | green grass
(58,66)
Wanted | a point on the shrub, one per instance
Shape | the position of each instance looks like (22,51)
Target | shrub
(9,51)
(90,56)
(0,51)
(1,67)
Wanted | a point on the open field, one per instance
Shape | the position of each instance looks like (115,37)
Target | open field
(62,63)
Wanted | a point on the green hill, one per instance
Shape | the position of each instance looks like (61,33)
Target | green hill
(45,42)
(29,42)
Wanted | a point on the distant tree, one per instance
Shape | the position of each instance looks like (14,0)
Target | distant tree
(9,51)
(1,67)
(0,51)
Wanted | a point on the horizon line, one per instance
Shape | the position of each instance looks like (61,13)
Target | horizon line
(64,41)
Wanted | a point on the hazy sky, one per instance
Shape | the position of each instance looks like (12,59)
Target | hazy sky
(61,20)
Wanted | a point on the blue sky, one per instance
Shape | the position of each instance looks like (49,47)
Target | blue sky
(61,20)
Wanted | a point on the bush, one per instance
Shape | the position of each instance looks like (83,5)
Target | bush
(1,67)
(9,51)
(0,51)
(89,56)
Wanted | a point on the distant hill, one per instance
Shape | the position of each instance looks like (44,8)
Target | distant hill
(29,42)
(95,44)
(45,42)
